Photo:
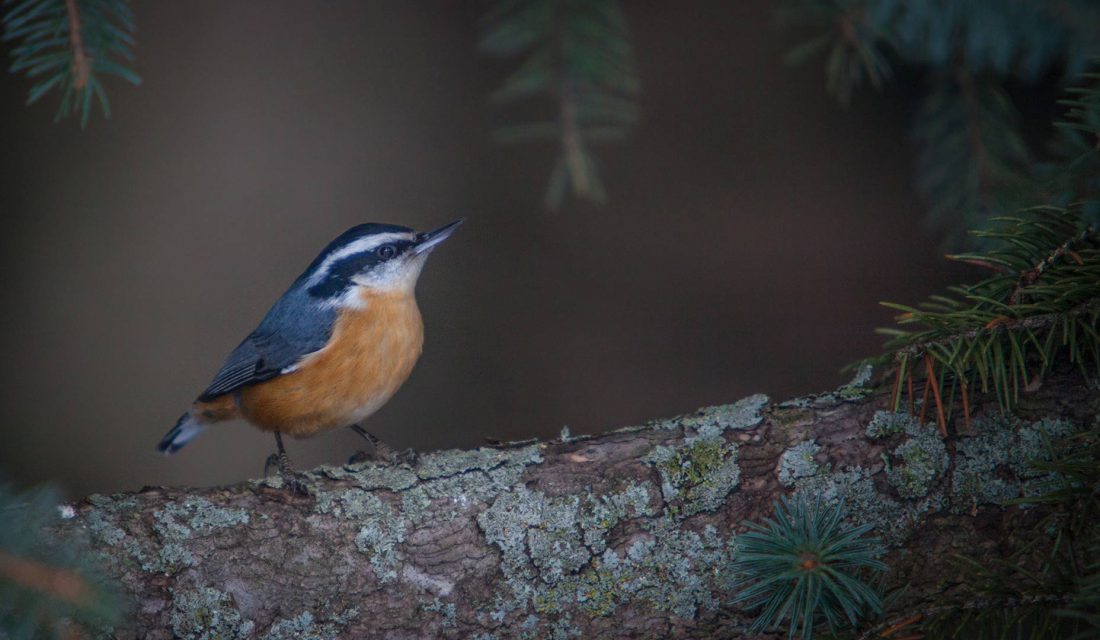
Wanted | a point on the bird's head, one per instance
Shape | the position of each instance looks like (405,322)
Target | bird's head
(384,257)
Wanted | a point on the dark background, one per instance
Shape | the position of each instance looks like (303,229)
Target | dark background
(752,228)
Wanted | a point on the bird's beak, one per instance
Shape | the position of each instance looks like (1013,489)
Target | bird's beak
(429,239)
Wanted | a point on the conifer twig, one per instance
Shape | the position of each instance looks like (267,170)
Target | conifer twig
(80,67)
(1040,321)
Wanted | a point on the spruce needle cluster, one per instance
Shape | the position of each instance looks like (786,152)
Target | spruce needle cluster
(804,565)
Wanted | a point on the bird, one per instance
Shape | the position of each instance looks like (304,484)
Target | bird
(332,350)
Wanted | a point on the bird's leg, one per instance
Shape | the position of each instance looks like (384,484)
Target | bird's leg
(290,477)
(382,450)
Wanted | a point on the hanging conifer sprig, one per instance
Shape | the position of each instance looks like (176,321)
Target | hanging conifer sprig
(974,163)
(577,59)
(1076,176)
(68,45)
(853,50)
(1004,333)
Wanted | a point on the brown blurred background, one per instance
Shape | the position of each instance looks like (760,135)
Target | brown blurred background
(752,228)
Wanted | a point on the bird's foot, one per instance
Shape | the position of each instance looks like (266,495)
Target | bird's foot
(293,481)
(382,451)
(385,454)
(408,456)
(360,457)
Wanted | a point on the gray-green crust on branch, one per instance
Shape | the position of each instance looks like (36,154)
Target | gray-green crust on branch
(623,535)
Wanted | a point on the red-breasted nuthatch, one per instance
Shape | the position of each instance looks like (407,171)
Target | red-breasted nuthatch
(333,349)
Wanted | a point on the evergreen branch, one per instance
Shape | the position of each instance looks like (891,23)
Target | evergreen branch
(67,45)
(999,324)
(946,615)
(579,59)
(62,584)
(1007,331)
(49,586)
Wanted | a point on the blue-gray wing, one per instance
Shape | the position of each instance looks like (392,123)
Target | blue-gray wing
(294,328)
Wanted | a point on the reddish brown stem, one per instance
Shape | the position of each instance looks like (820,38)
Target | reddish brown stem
(940,419)
(901,624)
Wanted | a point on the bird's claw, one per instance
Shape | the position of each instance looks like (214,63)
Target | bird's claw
(292,480)
(294,483)
(386,455)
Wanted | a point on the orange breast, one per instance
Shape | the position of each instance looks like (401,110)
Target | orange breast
(371,353)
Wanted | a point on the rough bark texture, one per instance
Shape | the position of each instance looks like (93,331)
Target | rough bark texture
(624,535)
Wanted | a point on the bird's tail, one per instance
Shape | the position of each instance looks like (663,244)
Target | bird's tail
(185,431)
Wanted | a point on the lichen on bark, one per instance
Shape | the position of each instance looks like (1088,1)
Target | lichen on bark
(627,534)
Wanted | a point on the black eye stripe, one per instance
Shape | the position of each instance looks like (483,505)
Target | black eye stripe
(339,274)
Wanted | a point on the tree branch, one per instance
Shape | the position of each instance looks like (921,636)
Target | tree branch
(627,534)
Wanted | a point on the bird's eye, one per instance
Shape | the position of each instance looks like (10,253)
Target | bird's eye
(386,251)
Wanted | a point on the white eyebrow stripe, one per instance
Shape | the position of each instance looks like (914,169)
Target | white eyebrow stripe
(358,246)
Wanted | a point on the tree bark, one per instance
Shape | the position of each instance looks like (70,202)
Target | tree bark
(623,535)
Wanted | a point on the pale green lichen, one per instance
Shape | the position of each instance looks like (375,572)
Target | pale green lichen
(175,523)
(698,475)
(178,519)
(554,555)
(446,610)
(373,475)
(206,614)
(893,520)
(858,386)
(168,552)
(381,531)
(461,478)
(102,530)
(601,513)
(888,423)
(552,550)
(1002,445)
(304,627)
(744,414)
(381,527)
(798,462)
(170,558)
(450,463)
(919,462)
(673,570)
